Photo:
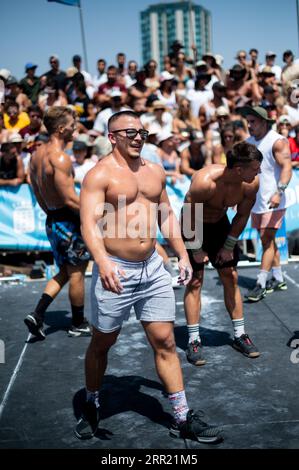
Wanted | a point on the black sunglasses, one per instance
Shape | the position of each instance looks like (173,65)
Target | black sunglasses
(132,133)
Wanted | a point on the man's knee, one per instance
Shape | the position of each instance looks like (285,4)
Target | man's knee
(229,276)
(102,342)
(195,284)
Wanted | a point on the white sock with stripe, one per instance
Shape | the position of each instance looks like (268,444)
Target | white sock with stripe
(239,327)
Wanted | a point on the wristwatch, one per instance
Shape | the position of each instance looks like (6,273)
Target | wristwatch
(281,187)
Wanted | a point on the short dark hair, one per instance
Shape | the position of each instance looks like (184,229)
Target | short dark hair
(253,50)
(34,108)
(243,153)
(102,60)
(120,114)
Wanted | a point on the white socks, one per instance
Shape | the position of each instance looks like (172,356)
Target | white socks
(193,333)
(277,273)
(262,278)
(239,328)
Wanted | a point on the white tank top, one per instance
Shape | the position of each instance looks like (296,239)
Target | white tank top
(270,173)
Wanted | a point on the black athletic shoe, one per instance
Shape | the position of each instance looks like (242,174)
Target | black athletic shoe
(87,424)
(273,284)
(196,429)
(246,346)
(35,326)
(256,294)
(81,330)
(194,353)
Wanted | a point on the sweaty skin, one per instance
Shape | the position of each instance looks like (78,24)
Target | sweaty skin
(51,175)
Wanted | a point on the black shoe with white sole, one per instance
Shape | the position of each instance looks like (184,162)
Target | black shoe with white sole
(35,326)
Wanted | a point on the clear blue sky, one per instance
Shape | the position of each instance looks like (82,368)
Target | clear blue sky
(32,30)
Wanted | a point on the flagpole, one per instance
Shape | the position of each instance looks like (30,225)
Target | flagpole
(192,33)
(83,36)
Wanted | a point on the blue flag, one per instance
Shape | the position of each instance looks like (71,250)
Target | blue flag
(74,3)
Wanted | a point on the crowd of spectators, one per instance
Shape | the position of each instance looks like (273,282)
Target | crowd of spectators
(190,108)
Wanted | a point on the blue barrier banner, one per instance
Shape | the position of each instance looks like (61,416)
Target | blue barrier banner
(22,221)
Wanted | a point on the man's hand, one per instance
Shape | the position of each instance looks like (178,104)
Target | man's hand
(186,271)
(109,274)
(201,257)
(274,201)
(224,256)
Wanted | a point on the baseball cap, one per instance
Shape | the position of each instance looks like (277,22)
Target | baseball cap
(219,86)
(79,145)
(164,135)
(166,76)
(30,65)
(11,80)
(14,138)
(76,58)
(85,138)
(200,63)
(270,54)
(115,93)
(222,111)
(284,118)
(157,104)
(4,73)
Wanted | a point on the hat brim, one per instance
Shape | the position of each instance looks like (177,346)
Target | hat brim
(247,110)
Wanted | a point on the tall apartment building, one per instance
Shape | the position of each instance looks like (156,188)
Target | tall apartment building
(163,23)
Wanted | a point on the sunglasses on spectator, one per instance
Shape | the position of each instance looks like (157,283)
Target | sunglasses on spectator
(242,56)
(132,133)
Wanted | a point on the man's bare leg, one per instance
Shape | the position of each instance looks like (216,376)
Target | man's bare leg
(192,304)
(35,321)
(234,306)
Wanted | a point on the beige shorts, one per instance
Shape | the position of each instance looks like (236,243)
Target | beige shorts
(271,219)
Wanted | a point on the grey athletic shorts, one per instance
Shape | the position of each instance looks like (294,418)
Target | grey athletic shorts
(147,288)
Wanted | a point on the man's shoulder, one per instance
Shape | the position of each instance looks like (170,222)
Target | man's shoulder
(207,176)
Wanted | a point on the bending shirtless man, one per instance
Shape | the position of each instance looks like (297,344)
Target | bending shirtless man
(217,188)
(128,272)
(53,184)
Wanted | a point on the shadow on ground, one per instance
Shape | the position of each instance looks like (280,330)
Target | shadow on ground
(121,394)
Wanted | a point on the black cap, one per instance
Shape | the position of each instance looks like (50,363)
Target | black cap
(76,58)
(79,145)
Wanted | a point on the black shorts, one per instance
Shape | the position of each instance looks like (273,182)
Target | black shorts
(63,231)
(214,236)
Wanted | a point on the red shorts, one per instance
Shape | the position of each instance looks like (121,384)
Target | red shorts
(271,219)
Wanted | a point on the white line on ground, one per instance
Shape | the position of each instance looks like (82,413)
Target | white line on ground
(13,377)
(290,279)
(261,424)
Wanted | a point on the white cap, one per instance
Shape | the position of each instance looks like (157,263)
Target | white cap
(284,118)
(5,73)
(270,53)
(154,129)
(166,76)
(200,63)
(219,59)
(164,135)
(222,111)
(14,138)
(114,93)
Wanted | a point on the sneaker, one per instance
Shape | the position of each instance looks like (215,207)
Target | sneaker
(35,326)
(194,353)
(273,284)
(87,424)
(196,429)
(256,294)
(246,346)
(81,330)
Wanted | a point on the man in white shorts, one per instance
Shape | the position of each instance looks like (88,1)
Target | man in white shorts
(270,206)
